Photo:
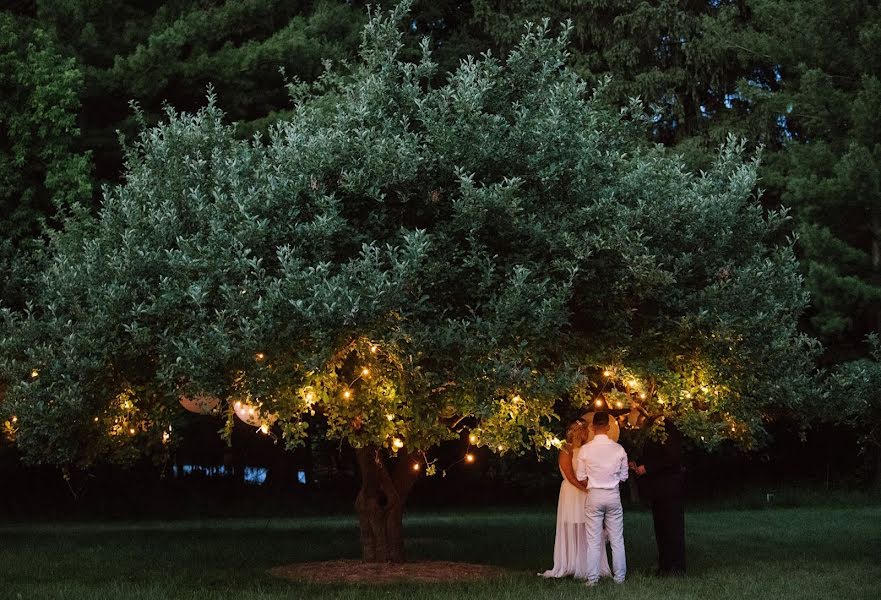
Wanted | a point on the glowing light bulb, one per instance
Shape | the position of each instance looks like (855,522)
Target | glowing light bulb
(398,443)
(374,348)
(416,466)
(131,430)
(95,419)
(347,394)
(619,404)
(633,383)
(642,395)
(472,438)
(607,373)
(35,373)
(259,356)
(365,372)
(469,458)
(500,447)
(598,403)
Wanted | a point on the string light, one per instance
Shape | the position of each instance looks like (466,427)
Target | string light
(347,394)
(598,403)
(642,395)
(132,430)
(619,404)
(472,438)
(35,373)
(95,419)
(365,372)
(398,443)
(607,373)
(374,348)
(469,458)
(416,467)
(633,383)
(259,356)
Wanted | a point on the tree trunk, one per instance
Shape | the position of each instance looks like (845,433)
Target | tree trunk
(380,505)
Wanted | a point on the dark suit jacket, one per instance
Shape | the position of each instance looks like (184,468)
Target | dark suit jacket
(663,466)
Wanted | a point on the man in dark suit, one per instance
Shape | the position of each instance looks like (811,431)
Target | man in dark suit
(660,482)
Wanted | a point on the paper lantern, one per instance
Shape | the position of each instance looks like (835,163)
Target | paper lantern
(201,404)
(251,414)
(614,429)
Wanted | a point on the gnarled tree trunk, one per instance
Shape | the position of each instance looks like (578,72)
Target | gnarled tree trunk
(380,504)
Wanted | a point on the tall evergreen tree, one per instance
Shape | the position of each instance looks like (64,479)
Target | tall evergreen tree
(153,53)
(829,171)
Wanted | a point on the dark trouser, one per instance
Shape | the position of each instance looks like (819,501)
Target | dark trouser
(668,513)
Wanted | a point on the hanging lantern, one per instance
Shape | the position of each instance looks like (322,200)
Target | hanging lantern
(200,404)
(251,414)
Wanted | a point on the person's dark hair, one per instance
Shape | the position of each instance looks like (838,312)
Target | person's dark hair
(600,419)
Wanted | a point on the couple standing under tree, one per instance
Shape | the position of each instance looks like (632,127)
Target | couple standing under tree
(589,512)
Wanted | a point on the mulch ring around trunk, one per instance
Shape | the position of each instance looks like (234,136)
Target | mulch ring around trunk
(356,571)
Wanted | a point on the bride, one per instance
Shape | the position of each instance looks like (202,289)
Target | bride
(570,543)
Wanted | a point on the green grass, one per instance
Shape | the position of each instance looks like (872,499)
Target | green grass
(828,553)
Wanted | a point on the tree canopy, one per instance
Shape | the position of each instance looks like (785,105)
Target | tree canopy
(407,260)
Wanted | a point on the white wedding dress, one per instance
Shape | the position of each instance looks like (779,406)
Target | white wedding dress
(570,543)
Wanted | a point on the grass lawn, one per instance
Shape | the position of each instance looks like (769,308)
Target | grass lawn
(828,553)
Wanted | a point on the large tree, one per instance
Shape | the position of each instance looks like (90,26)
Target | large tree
(412,263)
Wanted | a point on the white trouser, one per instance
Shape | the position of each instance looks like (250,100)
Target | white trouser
(603,507)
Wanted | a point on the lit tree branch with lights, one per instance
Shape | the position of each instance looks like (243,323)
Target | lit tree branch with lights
(413,265)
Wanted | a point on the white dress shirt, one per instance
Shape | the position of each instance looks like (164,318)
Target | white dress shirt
(602,462)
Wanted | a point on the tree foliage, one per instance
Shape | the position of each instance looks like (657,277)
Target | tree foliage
(158,52)
(412,260)
(40,169)
(830,170)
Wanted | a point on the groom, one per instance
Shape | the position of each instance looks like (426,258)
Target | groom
(603,463)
